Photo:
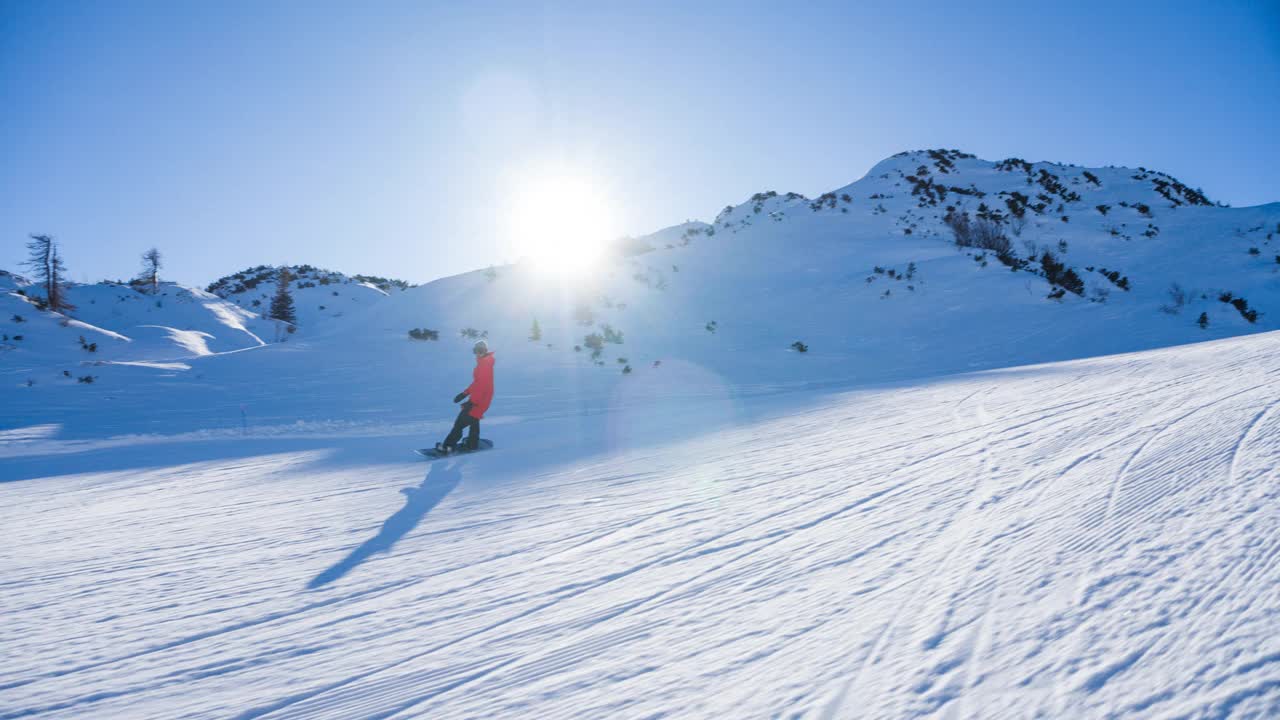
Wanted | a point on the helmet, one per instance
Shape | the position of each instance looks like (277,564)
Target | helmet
(480,348)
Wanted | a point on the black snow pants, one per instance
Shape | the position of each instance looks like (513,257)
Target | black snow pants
(464,422)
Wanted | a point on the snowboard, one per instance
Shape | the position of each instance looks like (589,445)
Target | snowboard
(485,444)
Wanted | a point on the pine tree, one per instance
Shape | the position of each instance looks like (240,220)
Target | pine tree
(150,274)
(47,265)
(535,332)
(282,303)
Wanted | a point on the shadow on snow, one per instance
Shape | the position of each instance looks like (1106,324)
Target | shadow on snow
(441,479)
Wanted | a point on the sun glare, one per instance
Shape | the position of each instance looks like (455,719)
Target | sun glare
(561,221)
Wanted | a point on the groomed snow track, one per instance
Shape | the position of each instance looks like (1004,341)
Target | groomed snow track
(1088,539)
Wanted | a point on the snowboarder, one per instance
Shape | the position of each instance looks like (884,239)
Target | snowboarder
(478,395)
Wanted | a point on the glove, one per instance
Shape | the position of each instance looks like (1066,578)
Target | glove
(458,398)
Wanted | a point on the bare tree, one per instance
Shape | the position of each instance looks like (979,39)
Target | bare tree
(47,265)
(151,264)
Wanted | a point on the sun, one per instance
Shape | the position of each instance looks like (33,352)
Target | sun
(561,220)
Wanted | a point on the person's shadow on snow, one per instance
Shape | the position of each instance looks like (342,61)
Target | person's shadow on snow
(441,479)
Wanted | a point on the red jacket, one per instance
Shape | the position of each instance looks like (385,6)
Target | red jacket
(481,389)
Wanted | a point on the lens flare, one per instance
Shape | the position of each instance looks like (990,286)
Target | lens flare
(561,221)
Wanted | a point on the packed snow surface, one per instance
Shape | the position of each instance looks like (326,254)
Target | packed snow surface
(1082,539)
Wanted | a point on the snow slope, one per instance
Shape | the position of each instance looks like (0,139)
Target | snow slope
(113,323)
(174,321)
(1084,539)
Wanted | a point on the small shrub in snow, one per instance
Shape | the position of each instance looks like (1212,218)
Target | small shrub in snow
(19,319)
(86,379)
(1203,320)
(535,332)
(85,345)
(611,335)
(985,232)
(626,370)
(471,333)
(1115,277)
(1241,305)
(424,334)
(1103,208)
(1177,298)
(1017,204)
(66,373)
(1059,274)
(595,341)
(622,361)
(18,337)
(712,327)
(799,347)
(491,273)
(1254,251)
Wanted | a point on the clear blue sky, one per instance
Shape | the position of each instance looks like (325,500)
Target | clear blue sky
(377,140)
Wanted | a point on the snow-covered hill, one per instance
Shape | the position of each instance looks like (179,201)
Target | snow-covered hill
(114,325)
(170,320)
(320,296)
(121,327)
(1091,539)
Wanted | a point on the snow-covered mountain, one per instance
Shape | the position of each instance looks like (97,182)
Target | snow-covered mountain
(868,279)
